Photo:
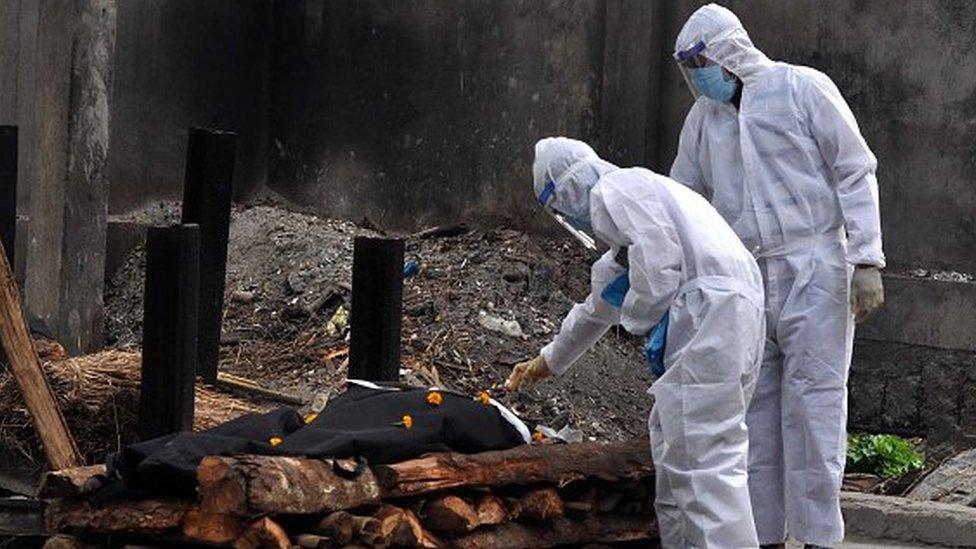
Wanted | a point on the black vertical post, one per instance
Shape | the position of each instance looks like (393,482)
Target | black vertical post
(377,308)
(8,190)
(169,331)
(207,194)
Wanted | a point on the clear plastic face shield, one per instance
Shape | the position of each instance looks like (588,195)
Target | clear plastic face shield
(704,76)
(545,200)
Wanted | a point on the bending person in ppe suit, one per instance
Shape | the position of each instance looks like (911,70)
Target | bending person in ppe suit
(670,253)
(777,151)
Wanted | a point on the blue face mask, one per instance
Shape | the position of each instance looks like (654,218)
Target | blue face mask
(712,83)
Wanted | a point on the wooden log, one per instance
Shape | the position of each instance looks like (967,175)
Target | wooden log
(450,514)
(580,497)
(254,485)
(608,500)
(59,448)
(402,527)
(62,541)
(564,531)
(263,534)
(153,516)
(542,504)
(72,482)
(554,464)
(211,528)
(491,510)
(312,541)
(342,528)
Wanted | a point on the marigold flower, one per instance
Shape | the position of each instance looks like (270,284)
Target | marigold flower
(274,441)
(435,398)
(538,436)
(406,422)
(310,418)
(484,398)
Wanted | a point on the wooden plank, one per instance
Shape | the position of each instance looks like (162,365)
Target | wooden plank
(59,447)
(238,383)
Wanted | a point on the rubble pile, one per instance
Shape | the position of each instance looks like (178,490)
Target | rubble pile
(476,303)
(542,495)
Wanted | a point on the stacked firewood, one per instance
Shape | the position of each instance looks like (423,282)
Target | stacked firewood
(532,496)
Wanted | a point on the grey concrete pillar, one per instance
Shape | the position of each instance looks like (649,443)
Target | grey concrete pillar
(69,80)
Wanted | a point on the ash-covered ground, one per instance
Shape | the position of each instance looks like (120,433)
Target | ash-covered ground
(288,274)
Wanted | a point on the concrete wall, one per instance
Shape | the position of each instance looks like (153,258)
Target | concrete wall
(185,63)
(426,111)
(908,70)
(422,111)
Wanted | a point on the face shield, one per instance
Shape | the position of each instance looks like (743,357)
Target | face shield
(576,227)
(704,76)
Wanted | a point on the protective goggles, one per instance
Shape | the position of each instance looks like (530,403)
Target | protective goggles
(691,59)
(545,199)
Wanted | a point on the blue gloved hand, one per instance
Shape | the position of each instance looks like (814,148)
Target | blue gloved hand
(654,346)
(615,292)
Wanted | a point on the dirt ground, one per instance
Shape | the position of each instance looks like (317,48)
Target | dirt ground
(288,273)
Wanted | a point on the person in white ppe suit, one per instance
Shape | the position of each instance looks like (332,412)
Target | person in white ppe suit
(675,256)
(777,151)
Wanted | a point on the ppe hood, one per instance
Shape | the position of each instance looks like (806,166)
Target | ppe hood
(718,34)
(564,172)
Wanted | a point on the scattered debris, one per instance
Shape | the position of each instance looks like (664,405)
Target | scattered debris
(510,328)
(942,276)
(566,434)
(285,341)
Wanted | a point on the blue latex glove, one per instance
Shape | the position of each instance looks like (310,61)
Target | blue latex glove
(654,346)
(615,292)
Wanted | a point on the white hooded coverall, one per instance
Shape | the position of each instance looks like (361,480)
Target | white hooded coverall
(791,174)
(683,256)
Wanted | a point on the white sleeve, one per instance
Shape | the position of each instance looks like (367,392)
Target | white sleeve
(853,165)
(655,254)
(586,322)
(686,168)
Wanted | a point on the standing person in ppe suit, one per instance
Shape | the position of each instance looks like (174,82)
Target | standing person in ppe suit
(777,151)
(683,260)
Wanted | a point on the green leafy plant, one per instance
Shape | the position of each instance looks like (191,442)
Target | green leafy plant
(887,456)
